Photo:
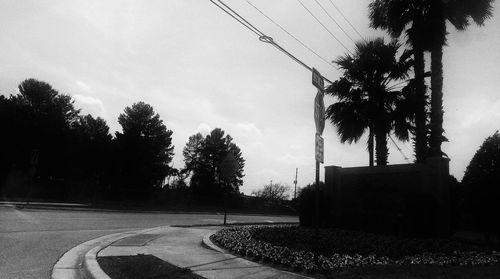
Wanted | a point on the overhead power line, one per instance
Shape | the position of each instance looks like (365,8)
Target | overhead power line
(242,23)
(284,30)
(328,14)
(399,149)
(262,37)
(342,14)
(328,30)
(261,34)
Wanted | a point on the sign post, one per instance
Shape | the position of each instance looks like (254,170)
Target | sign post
(319,149)
(34,158)
(228,167)
(319,120)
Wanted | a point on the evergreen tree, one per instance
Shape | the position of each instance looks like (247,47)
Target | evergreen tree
(37,120)
(144,151)
(203,157)
(91,152)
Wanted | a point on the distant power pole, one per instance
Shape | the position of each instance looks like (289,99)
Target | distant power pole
(295,182)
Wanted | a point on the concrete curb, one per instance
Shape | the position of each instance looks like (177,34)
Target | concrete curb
(208,243)
(91,266)
(81,261)
(71,263)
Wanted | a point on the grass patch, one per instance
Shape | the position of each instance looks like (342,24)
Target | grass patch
(142,267)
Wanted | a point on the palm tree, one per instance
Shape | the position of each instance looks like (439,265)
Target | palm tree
(365,96)
(458,13)
(395,16)
(350,114)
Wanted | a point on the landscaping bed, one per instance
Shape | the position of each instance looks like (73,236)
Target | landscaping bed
(334,250)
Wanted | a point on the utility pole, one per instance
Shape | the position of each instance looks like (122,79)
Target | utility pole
(295,182)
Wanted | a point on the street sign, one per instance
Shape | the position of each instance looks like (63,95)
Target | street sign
(228,167)
(319,120)
(317,80)
(319,148)
(319,113)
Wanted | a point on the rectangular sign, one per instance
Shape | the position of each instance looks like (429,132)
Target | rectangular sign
(319,148)
(317,80)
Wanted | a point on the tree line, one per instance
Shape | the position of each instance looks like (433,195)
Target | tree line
(50,151)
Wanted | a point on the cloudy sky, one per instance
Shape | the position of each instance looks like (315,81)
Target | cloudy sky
(200,69)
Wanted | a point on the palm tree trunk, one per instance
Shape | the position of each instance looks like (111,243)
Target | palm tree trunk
(417,38)
(436,136)
(381,144)
(421,103)
(436,122)
(370,145)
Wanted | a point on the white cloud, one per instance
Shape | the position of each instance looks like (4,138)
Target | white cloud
(292,160)
(90,105)
(248,131)
(83,86)
(204,129)
(480,113)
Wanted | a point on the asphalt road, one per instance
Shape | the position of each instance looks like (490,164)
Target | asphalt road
(31,241)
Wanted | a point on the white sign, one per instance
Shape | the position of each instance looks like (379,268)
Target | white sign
(317,80)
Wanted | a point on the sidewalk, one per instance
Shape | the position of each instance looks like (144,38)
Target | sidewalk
(184,247)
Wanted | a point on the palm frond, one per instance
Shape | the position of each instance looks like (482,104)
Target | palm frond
(460,12)
(349,119)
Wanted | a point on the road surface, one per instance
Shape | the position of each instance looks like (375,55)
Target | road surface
(31,241)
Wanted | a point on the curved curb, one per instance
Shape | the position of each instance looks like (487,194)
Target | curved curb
(90,265)
(81,261)
(71,263)
(210,245)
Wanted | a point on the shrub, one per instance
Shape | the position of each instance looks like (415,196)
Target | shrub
(307,206)
(482,183)
(419,215)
